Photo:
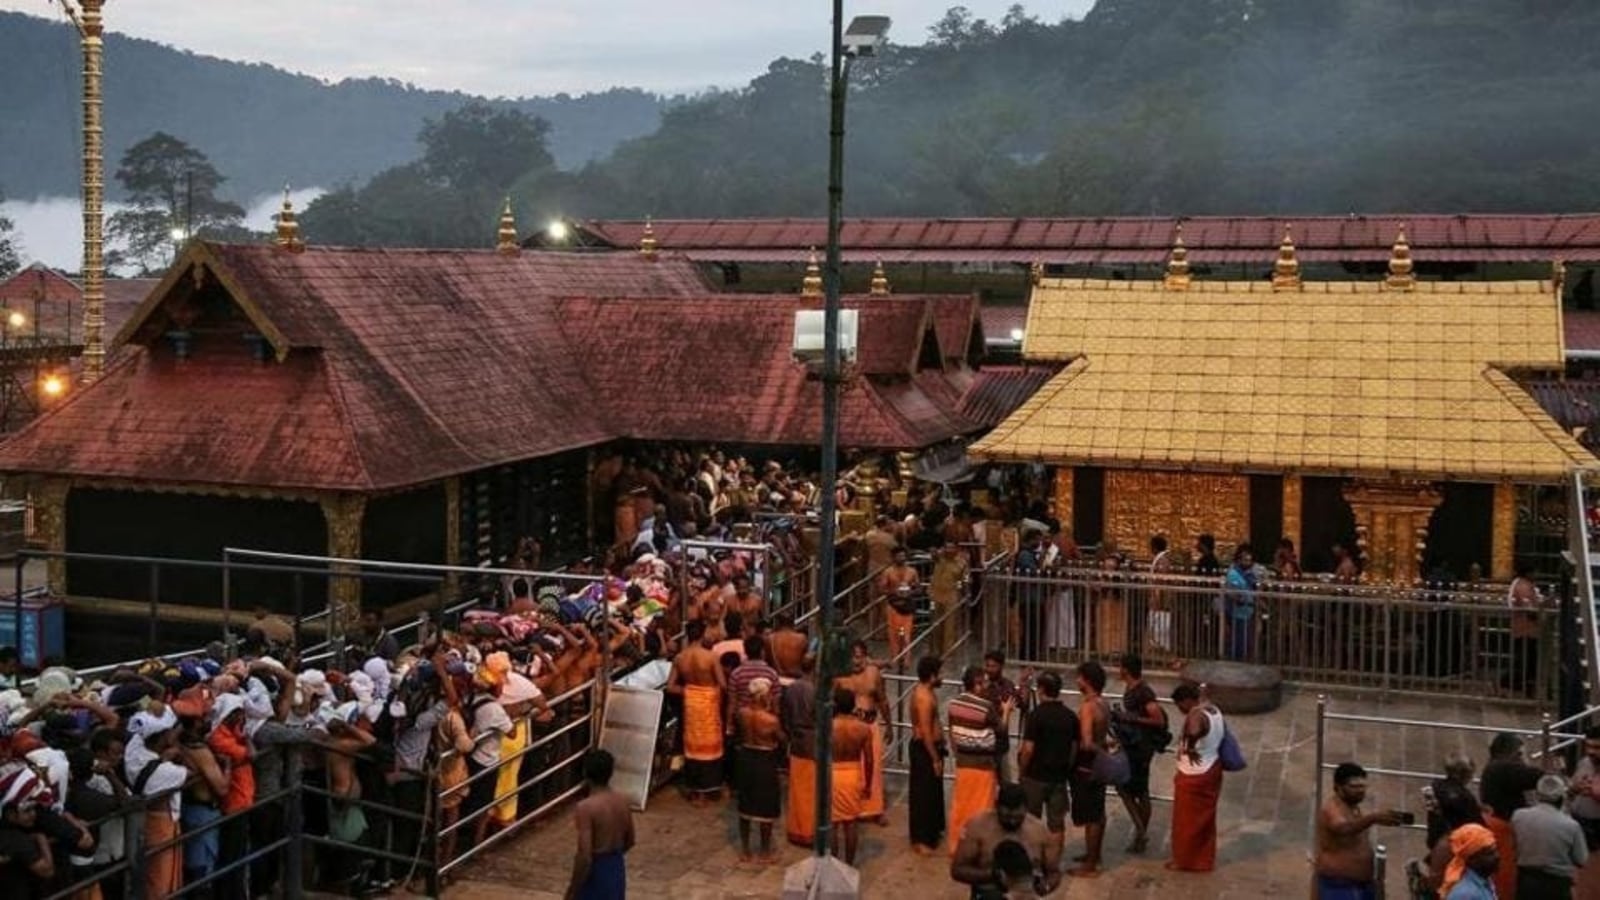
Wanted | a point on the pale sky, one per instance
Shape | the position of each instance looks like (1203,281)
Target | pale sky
(523,47)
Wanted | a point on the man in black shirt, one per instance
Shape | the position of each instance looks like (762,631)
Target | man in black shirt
(998,689)
(1142,727)
(1049,750)
(1506,779)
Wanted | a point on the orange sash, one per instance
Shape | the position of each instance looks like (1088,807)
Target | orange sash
(801,816)
(702,722)
(973,794)
(163,874)
(873,806)
(847,803)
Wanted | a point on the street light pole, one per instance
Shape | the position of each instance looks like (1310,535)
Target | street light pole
(862,38)
(830,439)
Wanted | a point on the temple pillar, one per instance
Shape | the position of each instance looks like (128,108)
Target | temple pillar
(452,533)
(1292,506)
(1504,532)
(344,513)
(867,487)
(50,526)
(1061,498)
(1392,526)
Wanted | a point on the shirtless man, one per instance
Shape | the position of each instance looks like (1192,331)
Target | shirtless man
(605,833)
(756,774)
(746,600)
(1344,842)
(853,772)
(927,760)
(974,860)
(345,743)
(872,707)
(896,586)
(697,677)
(787,646)
(709,608)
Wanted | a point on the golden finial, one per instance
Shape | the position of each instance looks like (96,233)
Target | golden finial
(1036,273)
(288,228)
(811,285)
(1178,263)
(1286,271)
(647,240)
(1558,275)
(880,281)
(1401,276)
(507,244)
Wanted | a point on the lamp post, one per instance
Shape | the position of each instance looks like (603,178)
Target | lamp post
(862,38)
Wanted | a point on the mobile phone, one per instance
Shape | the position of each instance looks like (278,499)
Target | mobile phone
(1408,818)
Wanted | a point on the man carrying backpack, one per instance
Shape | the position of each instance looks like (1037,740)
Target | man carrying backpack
(1141,726)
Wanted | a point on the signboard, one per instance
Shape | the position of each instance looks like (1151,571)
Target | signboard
(629,729)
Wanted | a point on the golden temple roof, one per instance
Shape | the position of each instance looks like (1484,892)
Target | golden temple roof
(1332,378)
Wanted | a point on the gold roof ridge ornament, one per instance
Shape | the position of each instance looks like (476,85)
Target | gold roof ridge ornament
(1402,276)
(1558,275)
(811,285)
(1286,271)
(507,245)
(880,281)
(647,240)
(1178,277)
(288,238)
(1035,273)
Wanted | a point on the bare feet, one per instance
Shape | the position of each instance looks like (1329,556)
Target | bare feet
(1084,871)
(920,850)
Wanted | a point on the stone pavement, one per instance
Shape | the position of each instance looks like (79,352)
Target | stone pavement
(691,854)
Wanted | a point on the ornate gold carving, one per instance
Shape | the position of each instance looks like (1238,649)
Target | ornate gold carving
(880,281)
(1061,498)
(866,478)
(1180,505)
(1286,271)
(288,238)
(1504,533)
(506,237)
(647,240)
(1178,263)
(50,524)
(344,513)
(1392,517)
(811,284)
(1035,273)
(1292,507)
(1401,277)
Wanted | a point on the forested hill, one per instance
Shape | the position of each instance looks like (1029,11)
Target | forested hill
(260,125)
(1159,106)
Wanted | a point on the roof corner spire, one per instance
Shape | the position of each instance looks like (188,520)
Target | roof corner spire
(288,238)
(1178,262)
(647,240)
(507,244)
(880,281)
(811,285)
(1286,271)
(1402,276)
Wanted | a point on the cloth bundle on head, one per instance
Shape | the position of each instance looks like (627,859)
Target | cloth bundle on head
(12,704)
(496,666)
(226,705)
(377,669)
(519,689)
(52,682)
(19,784)
(1465,843)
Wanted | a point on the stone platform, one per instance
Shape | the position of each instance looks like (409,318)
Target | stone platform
(1237,688)
(691,854)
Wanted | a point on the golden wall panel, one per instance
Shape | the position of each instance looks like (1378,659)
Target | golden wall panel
(1504,533)
(1061,502)
(1180,505)
(1293,503)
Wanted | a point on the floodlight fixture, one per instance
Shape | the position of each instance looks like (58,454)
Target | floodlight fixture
(865,35)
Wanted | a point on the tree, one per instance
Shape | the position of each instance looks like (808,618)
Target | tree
(172,190)
(10,256)
(481,148)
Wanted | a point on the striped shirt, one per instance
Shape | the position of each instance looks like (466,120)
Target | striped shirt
(972,721)
(750,670)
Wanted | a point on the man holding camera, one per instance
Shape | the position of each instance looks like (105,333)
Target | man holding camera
(1344,842)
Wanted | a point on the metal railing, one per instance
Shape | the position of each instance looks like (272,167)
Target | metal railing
(1431,639)
(1580,537)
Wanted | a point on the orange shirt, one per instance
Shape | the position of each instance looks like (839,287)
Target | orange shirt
(229,744)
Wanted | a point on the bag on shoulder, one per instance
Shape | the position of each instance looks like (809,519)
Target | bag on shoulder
(1229,752)
(1110,766)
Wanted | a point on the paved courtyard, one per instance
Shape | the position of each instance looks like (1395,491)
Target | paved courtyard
(690,854)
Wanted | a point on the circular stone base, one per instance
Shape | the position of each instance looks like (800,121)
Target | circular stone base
(1237,687)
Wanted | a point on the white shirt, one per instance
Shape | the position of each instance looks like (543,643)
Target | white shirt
(489,717)
(1206,747)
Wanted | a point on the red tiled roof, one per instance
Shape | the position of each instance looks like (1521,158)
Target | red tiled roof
(1211,239)
(1581,330)
(997,391)
(436,362)
(38,282)
(1000,321)
(955,316)
(719,368)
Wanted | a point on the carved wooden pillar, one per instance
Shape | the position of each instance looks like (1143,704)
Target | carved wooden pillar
(452,534)
(1061,502)
(1392,518)
(344,513)
(1504,533)
(50,523)
(1292,506)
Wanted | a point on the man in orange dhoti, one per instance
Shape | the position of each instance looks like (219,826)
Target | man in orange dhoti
(853,772)
(974,723)
(149,774)
(697,677)
(799,705)
(871,705)
(897,586)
